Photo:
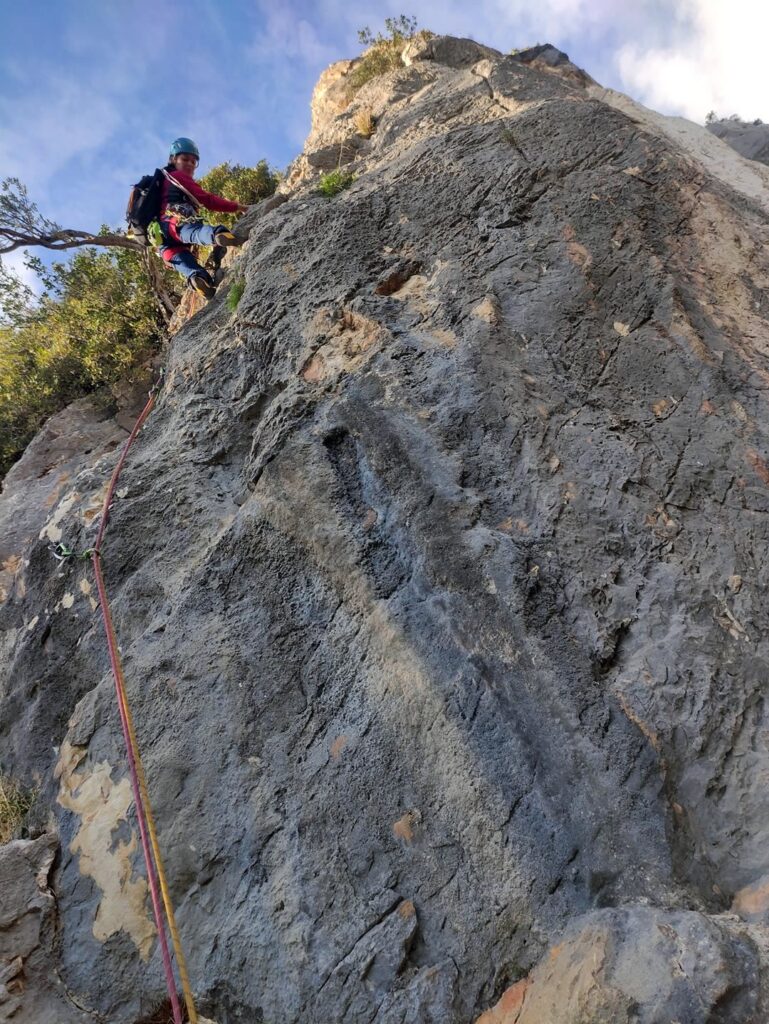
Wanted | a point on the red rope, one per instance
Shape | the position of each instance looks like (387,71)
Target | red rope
(116,472)
(117,672)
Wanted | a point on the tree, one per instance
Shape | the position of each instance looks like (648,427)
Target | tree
(247,185)
(22,224)
(94,322)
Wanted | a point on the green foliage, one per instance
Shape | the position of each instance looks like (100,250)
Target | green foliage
(384,50)
(398,30)
(96,320)
(235,293)
(334,182)
(245,185)
(15,802)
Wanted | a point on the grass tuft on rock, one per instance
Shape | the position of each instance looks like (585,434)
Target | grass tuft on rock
(15,802)
(235,293)
(364,122)
(334,182)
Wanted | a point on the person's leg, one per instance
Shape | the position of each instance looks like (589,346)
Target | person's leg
(182,260)
(185,263)
(198,233)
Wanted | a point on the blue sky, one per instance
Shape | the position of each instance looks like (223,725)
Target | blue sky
(91,93)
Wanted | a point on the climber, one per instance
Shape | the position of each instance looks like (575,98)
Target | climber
(182,228)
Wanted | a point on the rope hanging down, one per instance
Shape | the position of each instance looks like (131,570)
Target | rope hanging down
(156,875)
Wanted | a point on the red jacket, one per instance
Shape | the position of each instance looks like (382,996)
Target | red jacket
(177,196)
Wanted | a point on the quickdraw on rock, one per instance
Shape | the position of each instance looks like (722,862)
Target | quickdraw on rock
(61,552)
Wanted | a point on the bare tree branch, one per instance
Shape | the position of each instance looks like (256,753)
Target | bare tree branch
(165,301)
(22,224)
(65,238)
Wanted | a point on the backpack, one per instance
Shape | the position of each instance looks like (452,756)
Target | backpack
(143,207)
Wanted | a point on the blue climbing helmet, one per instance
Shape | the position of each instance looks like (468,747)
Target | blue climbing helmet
(183,145)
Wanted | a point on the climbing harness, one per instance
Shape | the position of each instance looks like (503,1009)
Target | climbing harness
(155,872)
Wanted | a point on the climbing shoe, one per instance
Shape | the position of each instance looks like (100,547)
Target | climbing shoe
(226,238)
(213,265)
(201,283)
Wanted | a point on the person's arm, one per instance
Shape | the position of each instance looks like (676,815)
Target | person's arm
(207,199)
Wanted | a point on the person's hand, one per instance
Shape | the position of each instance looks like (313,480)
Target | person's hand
(242,208)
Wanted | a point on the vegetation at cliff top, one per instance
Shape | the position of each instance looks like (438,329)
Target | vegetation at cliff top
(713,118)
(384,50)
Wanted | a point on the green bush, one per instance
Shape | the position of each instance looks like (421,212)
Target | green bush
(384,51)
(334,182)
(247,185)
(235,293)
(95,321)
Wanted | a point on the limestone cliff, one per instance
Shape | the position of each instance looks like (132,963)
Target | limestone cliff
(750,139)
(439,573)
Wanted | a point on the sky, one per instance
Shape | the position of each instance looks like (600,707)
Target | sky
(93,92)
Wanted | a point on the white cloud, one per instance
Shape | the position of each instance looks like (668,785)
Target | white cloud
(282,35)
(45,128)
(14,262)
(721,66)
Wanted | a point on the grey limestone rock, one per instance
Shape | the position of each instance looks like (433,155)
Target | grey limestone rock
(30,988)
(424,573)
(448,50)
(749,139)
(641,966)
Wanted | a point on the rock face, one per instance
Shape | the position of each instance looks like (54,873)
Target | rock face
(69,441)
(29,986)
(638,966)
(749,139)
(439,576)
